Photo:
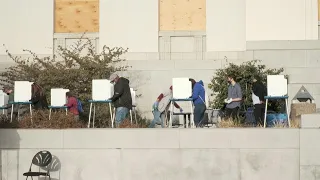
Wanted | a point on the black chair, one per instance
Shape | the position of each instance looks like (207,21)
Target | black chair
(41,159)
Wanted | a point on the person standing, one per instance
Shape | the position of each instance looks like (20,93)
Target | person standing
(259,91)
(72,105)
(38,98)
(234,98)
(122,97)
(199,102)
(161,108)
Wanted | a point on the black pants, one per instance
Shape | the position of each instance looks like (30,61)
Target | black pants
(258,113)
(232,113)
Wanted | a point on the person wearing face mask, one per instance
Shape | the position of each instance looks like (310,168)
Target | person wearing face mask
(234,98)
(121,99)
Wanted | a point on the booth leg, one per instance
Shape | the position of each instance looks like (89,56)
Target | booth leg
(131,116)
(171,114)
(287,108)
(89,115)
(50,113)
(31,113)
(135,115)
(265,114)
(11,113)
(94,115)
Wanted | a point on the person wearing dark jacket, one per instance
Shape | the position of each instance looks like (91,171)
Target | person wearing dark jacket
(122,97)
(259,90)
(38,98)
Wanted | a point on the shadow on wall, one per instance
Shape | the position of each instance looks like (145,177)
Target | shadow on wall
(54,168)
(9,146)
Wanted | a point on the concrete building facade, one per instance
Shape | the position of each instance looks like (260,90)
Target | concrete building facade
(174,38)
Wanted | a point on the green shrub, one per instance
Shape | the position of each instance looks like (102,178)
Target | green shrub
(242,74)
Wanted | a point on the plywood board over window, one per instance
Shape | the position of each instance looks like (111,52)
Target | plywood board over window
(182,15)
(76,16)
(318,10)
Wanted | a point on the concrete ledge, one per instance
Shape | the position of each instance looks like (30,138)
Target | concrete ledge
(121,138)
(240,138)
(151,138)
(310,121)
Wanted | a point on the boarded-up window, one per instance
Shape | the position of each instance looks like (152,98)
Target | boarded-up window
(76,16)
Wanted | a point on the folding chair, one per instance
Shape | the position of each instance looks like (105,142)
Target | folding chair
(41,159)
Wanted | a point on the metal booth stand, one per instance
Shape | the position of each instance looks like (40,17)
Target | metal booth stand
(57,107)
(20,103)
(93,102)
(266,107)
(172,101)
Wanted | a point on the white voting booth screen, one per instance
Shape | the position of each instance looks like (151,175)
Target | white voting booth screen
(58,97)
(4,98)
(181,88)
(102,89)
(133,96)
(277,85)
(22,91)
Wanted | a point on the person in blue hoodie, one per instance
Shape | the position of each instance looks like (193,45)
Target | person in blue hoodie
(199,101)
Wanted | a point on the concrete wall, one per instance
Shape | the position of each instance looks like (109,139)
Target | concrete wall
(26,26)
(131,154)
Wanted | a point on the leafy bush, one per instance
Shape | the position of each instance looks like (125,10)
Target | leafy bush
(58,120)
(243,74)
(71,70)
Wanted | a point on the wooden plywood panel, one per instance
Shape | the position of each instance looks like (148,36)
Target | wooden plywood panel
(319,10)
(180,15)
(76,16)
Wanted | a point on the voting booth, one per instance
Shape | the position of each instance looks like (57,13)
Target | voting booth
(277,89)
(58,100)
(102,91)
(22,96)
(181,92)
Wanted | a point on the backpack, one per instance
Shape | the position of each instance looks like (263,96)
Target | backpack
(80,109)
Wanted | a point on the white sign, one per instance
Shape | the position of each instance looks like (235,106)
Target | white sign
(58,97)
(277,85)
(181,88)
(22,91)
(4,98)
(102,89)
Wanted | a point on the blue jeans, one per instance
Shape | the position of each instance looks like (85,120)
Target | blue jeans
(121,114)
(158,116)
(199,110)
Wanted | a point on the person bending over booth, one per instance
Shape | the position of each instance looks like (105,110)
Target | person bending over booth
(161,108)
